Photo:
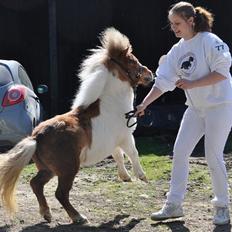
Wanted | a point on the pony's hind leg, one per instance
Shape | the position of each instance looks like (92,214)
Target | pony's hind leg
(118,156)
(62,194)
(37,184)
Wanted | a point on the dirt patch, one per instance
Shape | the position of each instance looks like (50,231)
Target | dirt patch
(111,205)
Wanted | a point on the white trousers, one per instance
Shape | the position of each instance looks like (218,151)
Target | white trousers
(215,124)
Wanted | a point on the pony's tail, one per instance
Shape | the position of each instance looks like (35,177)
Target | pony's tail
(11,165)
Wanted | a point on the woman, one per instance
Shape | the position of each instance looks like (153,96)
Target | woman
(200,65)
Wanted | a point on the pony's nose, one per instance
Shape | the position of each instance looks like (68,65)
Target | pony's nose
(147,74)
(148,78)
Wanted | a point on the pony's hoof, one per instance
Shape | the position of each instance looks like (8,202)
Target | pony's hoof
(48,217)
(80,219)
(46,214)
(144,178)
(125,178)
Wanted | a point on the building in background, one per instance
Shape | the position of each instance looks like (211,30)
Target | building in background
(51,37)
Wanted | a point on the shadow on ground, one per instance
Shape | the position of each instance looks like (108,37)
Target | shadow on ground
(114,225)
(174,225)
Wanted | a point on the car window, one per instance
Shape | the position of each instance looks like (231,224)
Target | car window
(5,75)
(24,78)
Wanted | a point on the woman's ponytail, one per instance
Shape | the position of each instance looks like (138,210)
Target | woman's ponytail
(203,19)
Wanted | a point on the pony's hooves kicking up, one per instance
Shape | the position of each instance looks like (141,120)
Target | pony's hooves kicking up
(80,220)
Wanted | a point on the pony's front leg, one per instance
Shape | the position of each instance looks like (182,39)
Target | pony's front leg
(118,156)
(129,148)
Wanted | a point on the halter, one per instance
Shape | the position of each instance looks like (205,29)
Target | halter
(138,74)
(130,114)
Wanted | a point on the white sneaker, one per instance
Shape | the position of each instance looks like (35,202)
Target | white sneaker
(169,210)
(222,216)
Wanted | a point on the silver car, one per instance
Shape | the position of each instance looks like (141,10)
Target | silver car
(20,109)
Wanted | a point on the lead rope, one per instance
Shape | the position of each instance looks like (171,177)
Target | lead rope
(131,114)
(128,116)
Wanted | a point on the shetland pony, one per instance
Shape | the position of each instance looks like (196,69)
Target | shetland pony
(93,129)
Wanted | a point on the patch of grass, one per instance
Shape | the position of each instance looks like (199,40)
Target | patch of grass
(156,167)
(154,156)
(28,172)
(199,175)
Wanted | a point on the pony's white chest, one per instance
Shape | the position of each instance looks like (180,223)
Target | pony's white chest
(109,128)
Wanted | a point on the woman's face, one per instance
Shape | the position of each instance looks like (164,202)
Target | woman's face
(182,28)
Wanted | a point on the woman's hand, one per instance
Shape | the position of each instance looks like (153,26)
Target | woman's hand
(151,96)
(140,110)
(210,79)
(185,84)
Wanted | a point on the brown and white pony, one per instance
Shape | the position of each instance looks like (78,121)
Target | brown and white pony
(93,129)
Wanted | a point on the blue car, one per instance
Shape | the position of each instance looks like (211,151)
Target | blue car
(20,108)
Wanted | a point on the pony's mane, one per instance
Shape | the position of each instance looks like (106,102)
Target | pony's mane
(113,43)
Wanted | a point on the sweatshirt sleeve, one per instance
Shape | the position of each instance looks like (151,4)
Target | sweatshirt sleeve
(166,74)
(218,55)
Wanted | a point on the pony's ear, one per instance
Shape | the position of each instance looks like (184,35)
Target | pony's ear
(126,51)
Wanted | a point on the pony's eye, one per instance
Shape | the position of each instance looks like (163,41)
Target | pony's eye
(131,61)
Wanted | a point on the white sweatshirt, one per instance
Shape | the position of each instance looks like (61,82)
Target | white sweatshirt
(192,59)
